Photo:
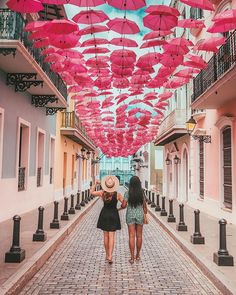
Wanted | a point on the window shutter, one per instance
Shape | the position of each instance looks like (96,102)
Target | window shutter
(227,167)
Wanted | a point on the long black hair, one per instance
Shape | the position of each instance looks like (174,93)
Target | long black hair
(135,192)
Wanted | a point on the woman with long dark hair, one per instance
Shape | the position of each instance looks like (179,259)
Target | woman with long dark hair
(109,219)
(135,216)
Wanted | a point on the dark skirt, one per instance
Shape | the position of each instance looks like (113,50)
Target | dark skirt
(109,219)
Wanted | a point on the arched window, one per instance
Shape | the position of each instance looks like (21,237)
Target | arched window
(227,166)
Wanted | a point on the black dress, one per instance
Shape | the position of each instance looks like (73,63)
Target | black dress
(109,219)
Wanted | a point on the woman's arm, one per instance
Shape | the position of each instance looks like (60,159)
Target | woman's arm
(95,193)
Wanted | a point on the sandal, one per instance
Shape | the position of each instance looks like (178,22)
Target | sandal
(131,260)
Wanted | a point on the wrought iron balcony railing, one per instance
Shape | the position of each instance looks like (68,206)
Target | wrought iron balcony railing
(70,120)
(12,28)
(220,63)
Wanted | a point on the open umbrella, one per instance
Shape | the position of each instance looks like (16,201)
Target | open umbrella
(157,34)
(191,23)
(125,42)
(162,10)
(25,6)
(203,4)
(94,42)
(160,22)
(93,29)
(90,17)
(123,26)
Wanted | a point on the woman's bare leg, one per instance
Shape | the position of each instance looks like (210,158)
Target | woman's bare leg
(131,228)
(106,242)
(111,244)
(139,239)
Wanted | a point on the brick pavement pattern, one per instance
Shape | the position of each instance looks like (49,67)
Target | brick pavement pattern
(78,266)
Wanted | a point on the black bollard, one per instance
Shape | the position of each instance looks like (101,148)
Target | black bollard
(163,209)
(65,215)
(77,206)
(171,217)
(82,201)
(149,197)
(153,205)
(72,208)
(197,237)
(55,223)
(15,254)
(181,226)
(158,208)
(222,257)
(86,196)
(40,235)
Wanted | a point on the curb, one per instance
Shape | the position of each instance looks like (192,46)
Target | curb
(18,280)
(215,276)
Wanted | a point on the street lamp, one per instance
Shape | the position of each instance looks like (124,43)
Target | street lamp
(190,126)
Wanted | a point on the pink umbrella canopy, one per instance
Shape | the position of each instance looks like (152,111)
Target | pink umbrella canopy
(160,22)
(89,17)
(127,4)
(123,26)
(124,42)
(25,6)
(203,4)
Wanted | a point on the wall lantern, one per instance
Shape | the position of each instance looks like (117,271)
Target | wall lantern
(190,126)
(168,161)
(176,160)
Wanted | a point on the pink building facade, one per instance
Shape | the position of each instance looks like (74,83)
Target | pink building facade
(200,168)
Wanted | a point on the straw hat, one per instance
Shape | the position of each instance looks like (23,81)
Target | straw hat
(110,183)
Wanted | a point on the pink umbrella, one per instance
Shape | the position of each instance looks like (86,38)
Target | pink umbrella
(25,6)
(160,22)
(124,42)
(96,50)
(93,29)
(156,34)
(61,26)
(162,10)
(127,4)
(203,4)
(123,26)
(94,42)
(211,44)
(90,17)
(191,23)
(153,43)
(64,41)
(221,27)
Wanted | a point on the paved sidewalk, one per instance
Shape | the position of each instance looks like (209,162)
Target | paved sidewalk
(12,274)
(78,266)
(203,254)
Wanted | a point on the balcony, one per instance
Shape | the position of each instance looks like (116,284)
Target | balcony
(25,66)
(72,128)
(215,85)
(172,127)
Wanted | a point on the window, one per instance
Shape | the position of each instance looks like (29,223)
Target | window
(227,167)
(40,157)
(201,169)
(23,154)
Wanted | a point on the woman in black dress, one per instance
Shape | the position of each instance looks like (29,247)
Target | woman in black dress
(109,219)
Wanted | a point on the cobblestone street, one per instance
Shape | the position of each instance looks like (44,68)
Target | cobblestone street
(79,267)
